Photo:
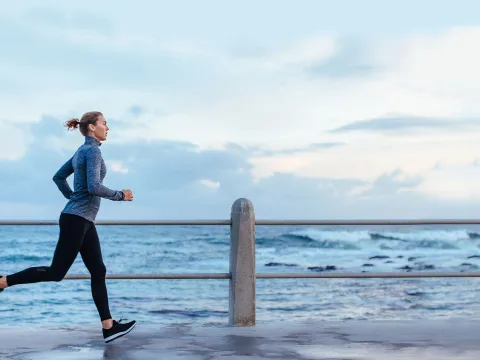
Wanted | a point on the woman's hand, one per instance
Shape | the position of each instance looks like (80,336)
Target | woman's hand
(128,195)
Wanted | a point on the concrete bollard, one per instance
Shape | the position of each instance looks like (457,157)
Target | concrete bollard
(242,288)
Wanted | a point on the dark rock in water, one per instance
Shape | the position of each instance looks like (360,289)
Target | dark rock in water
(473,266)
(400,257)
(473,235)
(376,236)
(322,268)
(388,262)
(425,267)
(367,265)
(411,258)
(418,267)
(379,257)
(474,257)
(279,264)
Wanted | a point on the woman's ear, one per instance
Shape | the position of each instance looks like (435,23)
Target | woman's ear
(91,127)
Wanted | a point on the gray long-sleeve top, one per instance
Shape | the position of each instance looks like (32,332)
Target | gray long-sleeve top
(90,170)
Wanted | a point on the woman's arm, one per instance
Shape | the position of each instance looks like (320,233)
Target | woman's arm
(94,163)
(60,178)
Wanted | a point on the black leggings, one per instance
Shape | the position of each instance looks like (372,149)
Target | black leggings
(76,235)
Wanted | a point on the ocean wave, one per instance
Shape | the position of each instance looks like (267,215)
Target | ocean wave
(20,257)
(388,240)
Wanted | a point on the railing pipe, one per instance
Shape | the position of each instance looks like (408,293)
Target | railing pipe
(153,276)
(345,275)
(367,275)
(123,222)
(371,222)
(262,222)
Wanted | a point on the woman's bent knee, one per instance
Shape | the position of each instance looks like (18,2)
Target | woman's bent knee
(57,277)
(54,275)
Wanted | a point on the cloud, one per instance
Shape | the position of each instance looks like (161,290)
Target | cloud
(261,152)
(88,65)
(210,184)
(218,96)
(178,180)
(15,142)
(136,110)
(352,57)
(409,124)
(293,56)
(281,106)
(388,184)
(117,166)
(55,18)
(452,182)
(198,99)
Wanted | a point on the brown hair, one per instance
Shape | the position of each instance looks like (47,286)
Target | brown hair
(87,118)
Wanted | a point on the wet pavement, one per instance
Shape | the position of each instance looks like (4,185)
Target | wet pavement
(426,340)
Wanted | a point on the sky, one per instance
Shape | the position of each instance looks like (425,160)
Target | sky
(310,109)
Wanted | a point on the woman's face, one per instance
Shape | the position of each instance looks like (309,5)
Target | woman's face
(100,129)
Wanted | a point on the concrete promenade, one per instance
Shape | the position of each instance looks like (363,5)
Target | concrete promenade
(426,340)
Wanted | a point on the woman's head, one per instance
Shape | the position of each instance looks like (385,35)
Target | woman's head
(91,124)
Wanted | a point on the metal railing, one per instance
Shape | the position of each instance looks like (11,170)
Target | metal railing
(262,222)
(242,276)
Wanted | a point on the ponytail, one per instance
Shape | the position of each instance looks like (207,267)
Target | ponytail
(72,124)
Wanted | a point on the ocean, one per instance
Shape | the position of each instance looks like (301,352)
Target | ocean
(205,249)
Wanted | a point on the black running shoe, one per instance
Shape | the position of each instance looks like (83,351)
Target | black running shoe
(118,330)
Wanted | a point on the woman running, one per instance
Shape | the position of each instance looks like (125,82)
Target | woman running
(77,227)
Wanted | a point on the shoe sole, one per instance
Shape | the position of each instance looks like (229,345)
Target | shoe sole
(120,334)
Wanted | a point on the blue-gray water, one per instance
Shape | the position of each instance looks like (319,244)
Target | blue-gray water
(191,249)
